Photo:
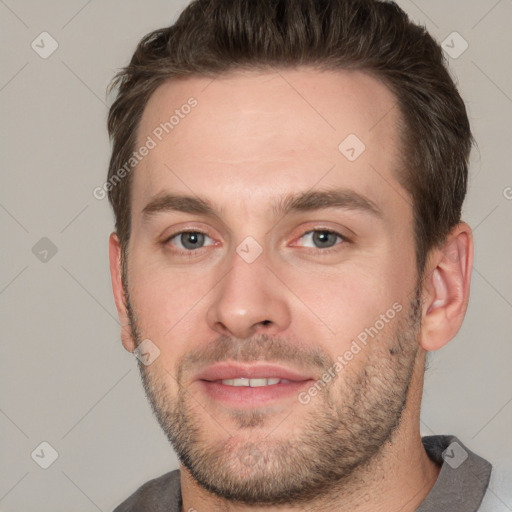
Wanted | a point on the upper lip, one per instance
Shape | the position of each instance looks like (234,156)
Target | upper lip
(222,371)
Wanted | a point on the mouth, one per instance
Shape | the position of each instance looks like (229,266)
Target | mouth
(245,386)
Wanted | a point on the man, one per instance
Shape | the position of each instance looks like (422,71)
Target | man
(287,178)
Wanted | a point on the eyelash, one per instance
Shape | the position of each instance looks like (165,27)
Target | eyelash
(324,251)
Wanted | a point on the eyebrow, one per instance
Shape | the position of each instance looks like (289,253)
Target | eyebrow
(322,199)
(298,202)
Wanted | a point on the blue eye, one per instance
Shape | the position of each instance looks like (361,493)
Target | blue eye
(323,238)
(189,240)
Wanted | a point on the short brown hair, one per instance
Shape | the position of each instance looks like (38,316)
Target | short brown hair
(212,37)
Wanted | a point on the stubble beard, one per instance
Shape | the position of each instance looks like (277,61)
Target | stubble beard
(346,426)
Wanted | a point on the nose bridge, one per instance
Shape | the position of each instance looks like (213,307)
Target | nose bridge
(248,296)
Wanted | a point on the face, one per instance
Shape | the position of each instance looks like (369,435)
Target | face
(271,262)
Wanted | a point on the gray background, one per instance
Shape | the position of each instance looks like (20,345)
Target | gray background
(65,378)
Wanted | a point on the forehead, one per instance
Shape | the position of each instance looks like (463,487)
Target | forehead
(250,135)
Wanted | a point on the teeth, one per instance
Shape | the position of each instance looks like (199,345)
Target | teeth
(253,383)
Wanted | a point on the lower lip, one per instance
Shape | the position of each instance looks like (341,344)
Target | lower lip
(247,397)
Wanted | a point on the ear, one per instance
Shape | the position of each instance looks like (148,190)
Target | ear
(446,288)
(114,247)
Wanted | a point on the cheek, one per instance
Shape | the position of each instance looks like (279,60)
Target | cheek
(163,299)
(341,303)
(167,312)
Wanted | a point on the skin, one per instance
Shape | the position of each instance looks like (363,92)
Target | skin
(255,137)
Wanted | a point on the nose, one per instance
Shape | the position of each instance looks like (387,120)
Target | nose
(249,300)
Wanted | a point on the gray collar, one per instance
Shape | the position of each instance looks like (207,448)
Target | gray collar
(463,479)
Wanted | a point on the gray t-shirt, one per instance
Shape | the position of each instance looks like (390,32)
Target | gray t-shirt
(460,487)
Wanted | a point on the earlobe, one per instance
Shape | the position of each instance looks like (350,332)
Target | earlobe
(118,290)
(446,288)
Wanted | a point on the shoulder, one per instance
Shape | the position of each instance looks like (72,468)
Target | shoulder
(499,492)
(158,494)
